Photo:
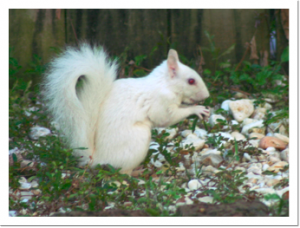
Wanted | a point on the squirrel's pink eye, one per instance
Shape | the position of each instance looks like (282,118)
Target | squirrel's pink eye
(191,81)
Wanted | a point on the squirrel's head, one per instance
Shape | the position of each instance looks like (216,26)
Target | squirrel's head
(187,80)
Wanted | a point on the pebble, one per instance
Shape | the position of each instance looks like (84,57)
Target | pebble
(268,141)
(265,167)
(172,131)
(154,146)
(247,157)
(201,133)
(249,128)
(234,122)
(238,136)
(282,137)
(254,142)
(284,155)
(22,180)
(213,119)
(210,151)
(225,105)
(239,95)
(241,109)
(194,140)
(247,121)
(185,133)
(277,166)
(255,168)
(272,159)
(256,135)
(156,163)
(211,159)
(194,184)
(259,113)
(25,186)
(36,132)
(206,199)
(266,106)
(209,170)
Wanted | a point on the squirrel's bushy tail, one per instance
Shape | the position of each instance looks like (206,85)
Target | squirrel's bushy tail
(75,87)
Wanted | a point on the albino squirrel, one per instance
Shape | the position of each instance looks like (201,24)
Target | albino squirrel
(113,118)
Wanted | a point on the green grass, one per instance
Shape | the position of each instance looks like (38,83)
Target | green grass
(156,190)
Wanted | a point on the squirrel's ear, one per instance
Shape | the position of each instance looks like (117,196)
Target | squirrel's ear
(172,62)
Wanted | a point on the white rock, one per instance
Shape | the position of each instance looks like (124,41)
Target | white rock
(214,117)
(25,186)
(210,151)
(259,113)
(247,156)
(24,200)
(22,180)
(256,135)
(206,199)
(266,106)
(270,149)
(225,105)
(37,131)
(284,155)
(282,137)
(234,122)
(261,185)
(238,136)
(172,208)
(201,133)
(209,170)
(180,168)
(161,158)
(247,121)
(194,184)
(188,200)
(194,140)
(239,95)
(246,130)
(156,163)
(254,143)
(34,184)
(185,133)
(26,195)
(255,168)
(172,131)
(272,127)
(14,151)
(154,146)
(251,175)
(211,159)
(225,135)
(265,190)
(23,211)
(241,109)
(265,167)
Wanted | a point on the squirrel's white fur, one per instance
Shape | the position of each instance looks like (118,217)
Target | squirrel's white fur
(113,118)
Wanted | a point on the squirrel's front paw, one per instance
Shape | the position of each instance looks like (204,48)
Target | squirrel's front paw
(202,111)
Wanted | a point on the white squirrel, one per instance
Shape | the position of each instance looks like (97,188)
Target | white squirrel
(113,118)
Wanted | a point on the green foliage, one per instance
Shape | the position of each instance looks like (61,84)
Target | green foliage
(226,186)
(285,55)
(64,186)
